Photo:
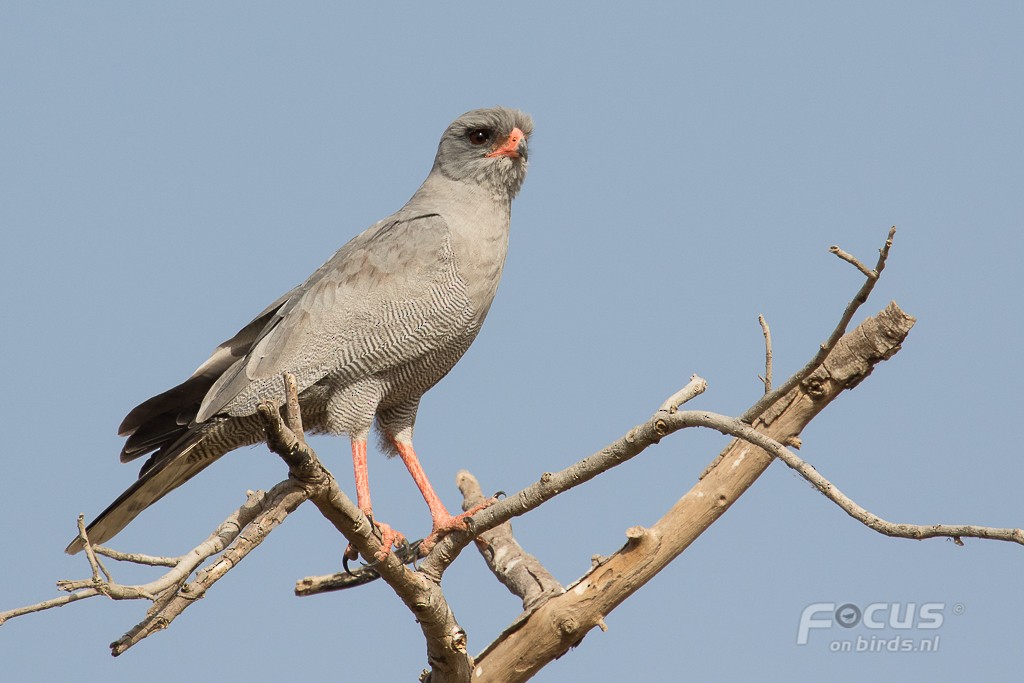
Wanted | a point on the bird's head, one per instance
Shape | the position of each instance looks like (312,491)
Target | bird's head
(488,146)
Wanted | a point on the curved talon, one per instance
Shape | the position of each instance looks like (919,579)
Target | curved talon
(345,560)
(498,495)
(414,553)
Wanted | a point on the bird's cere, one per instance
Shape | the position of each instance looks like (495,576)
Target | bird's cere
(511,148)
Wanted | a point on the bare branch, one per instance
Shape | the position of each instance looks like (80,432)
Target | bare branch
(554,619)
(734,427)
(137,558)
(518,570)
(851,259)
(551,484)
(302,462)
(563,621)
(49,604)
(360,576)
(695,387)
(767,379)
(277,504)
(446,640)
(872,521)
(94,563)
(851,309)
(182,567)
(290,411)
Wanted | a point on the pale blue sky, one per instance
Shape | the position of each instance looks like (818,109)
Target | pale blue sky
(165,172)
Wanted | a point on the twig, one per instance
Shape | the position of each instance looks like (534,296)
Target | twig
(851,259)
(137,558)
(872,521)
(552,484)
(277,504)
(49,604)
(851,309)
(154,590)
(94,562)
(771,397)
(695,387)
(741,430)
(360,576)
(767,379)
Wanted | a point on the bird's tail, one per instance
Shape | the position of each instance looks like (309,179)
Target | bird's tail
(167,470)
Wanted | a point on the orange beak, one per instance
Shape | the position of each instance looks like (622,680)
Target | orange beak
(511,146)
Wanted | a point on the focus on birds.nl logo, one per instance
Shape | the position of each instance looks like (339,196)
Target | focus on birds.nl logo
(876,627)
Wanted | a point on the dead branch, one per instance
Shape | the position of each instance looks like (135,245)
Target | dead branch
(552,484)
(446,640)
(137,558)
(278,503)
(871,277)
(518,570)
(563,621)
(553,620)
(854,261)
(181,567)
(359,576)
(872,521)
(859,298)
(767,379)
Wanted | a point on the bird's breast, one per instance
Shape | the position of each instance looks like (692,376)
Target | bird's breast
(479,247)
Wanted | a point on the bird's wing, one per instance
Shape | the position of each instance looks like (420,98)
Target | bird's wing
(374,305)
(160,420)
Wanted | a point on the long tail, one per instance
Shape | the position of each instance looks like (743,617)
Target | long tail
(166,471)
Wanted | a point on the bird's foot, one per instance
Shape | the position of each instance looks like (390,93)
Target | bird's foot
(448,523)
(388,538)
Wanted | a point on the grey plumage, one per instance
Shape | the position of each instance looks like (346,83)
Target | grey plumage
(365,335)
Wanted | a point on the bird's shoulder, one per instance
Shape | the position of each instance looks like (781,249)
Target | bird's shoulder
(398,249)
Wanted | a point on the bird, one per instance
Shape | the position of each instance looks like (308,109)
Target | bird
(365,336)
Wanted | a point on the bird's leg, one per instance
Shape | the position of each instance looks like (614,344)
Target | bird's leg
(388,536)
(362,476)
(443,522)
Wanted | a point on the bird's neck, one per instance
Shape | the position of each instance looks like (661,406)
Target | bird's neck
(440,192)
(479,225)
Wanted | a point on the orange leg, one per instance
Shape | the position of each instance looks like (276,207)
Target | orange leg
(389,536)
(443,522)
(362,477)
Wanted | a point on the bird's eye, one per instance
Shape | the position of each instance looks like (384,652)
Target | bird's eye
(479,136)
